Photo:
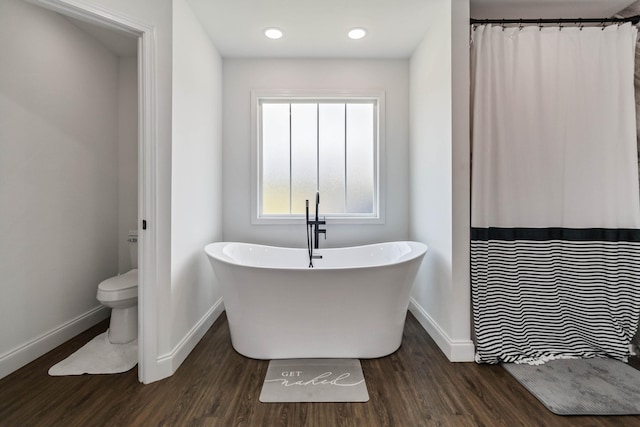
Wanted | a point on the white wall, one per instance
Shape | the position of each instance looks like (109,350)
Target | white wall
(243,75)
(461,325)
(127,156)
(58,180)
(439,183)
(196,185)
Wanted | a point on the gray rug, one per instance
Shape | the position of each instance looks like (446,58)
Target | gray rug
(582,386)
(314,380)
(99,356)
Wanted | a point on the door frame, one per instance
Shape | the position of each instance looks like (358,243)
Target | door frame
(147,167)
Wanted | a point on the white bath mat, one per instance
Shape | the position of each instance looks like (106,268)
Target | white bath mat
(99,356)
(595,386)
(314,380)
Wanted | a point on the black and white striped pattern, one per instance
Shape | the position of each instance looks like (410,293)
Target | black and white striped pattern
(540,294)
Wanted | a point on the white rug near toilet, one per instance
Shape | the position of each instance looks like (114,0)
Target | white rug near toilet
(99,356)
(314,380)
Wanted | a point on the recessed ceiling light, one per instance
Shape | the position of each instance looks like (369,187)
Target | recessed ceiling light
(273,33)
(357,33)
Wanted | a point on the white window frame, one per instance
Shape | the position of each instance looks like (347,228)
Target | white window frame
(257,96)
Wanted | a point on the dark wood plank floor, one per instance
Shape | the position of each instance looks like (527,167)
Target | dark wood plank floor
(416,386)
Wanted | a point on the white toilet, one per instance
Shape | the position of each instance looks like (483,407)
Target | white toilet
(120,293)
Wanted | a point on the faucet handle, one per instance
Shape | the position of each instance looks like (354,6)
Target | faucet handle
(323,231)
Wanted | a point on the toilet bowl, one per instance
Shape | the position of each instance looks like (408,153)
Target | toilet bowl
(120,293)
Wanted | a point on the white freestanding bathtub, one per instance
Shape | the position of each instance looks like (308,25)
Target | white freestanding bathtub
(352,304)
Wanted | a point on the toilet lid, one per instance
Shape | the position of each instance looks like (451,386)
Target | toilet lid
(123,281)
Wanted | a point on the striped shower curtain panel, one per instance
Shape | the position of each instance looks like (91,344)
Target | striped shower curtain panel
(555,240)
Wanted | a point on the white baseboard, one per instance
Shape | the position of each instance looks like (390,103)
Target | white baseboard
(170,362)
(455,350)
(28,352)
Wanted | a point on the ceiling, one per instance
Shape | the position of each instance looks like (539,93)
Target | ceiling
(317,29)
(532,9)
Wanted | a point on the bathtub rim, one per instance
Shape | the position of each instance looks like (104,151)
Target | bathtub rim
(218,255)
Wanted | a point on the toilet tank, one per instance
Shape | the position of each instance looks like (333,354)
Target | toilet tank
(133,248)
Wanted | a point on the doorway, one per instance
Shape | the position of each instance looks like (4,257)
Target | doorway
(146,164)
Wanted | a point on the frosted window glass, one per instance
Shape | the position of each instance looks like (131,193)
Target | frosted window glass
(275,159)
(318,144)
(304,155)
(332,155)
(360,158)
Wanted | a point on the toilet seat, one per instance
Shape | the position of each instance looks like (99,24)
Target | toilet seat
(118,288)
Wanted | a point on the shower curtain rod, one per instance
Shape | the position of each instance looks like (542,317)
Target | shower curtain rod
(633,19)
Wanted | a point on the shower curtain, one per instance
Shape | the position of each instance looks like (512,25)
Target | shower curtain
(555,239)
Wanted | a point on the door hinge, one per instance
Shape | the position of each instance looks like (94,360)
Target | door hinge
(144,224)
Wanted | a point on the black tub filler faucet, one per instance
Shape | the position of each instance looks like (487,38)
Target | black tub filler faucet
(314,231)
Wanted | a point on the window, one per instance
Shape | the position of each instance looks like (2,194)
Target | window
(329,144)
